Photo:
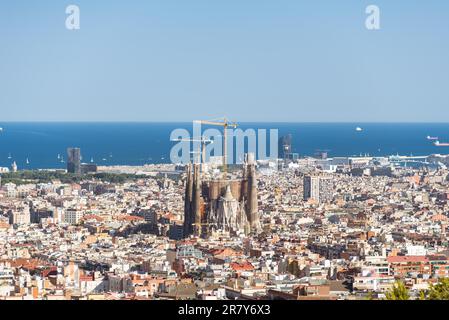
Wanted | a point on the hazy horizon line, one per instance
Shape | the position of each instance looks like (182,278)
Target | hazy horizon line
(246,122)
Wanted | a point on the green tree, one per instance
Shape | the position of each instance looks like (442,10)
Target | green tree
(293,268)
(370,296)
(439,291)
(398,292)
(422,295)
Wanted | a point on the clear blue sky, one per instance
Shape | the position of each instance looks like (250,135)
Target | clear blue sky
(251,60)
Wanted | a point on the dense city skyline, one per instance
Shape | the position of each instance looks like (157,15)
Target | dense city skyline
(259,151)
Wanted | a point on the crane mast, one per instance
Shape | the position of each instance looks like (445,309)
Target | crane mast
(225,124)
(201,153)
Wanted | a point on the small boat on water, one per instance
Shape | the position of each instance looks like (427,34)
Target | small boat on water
(1,129)
(432,138)
(59,156)
(92,160)
(27,161)
(358,129)
(9,156)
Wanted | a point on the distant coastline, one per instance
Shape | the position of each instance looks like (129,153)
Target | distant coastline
(140,143)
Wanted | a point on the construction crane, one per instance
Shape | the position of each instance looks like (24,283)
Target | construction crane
(225,124)
(203,143)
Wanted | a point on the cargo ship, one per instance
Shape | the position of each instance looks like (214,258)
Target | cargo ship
(441,144)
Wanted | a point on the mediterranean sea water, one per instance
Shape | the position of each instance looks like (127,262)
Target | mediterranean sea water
(144,143)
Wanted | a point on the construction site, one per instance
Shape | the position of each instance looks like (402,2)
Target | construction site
(223,202)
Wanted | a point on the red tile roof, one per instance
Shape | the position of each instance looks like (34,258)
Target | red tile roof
(131,218)
(246,266)
(404,259)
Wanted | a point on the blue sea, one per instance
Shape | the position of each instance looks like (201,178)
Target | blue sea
(144,143)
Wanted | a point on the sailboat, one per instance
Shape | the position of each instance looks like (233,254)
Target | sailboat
(92,160)
(59,156)
(62,159)
(27,161)
(9,156)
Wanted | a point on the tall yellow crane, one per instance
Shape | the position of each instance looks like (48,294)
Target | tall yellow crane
(225,124)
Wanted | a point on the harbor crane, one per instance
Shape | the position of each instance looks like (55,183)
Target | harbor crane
(225,124)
